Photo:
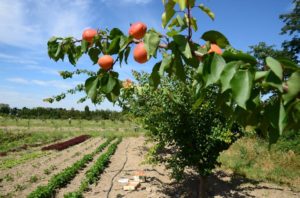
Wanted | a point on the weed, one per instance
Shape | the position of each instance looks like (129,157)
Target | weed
(20,187)
(8,178)
(33,179)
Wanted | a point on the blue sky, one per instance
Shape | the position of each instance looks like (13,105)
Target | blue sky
(27,75)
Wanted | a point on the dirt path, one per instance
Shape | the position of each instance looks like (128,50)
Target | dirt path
(159,185)
(133,149)
(24,182)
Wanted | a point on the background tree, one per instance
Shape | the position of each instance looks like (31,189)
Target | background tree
(292,28)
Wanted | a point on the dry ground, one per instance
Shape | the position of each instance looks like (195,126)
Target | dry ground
(128,159)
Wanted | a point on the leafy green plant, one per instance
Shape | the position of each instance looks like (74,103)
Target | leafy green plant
(63,178)
(33,179)
(94,173)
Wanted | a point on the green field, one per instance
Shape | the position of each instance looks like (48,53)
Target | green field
(15,135)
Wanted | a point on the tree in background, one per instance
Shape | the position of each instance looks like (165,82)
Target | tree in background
(4,108)
(290,48)
(292,28)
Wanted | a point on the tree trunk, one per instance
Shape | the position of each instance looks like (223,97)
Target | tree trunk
(202,193)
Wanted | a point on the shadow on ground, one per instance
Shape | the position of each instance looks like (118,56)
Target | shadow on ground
(220,184)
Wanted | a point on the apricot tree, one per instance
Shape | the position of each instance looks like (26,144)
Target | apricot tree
(239,86)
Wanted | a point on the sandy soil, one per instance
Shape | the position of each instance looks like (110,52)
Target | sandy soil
(55,162)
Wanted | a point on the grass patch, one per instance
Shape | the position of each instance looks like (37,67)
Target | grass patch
(251,157)
(14,161)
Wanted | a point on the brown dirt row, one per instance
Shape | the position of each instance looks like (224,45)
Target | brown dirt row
(75,183)
(135,150)
(54,163)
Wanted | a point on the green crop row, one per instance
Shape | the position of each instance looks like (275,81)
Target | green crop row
(93,174)
(63,178)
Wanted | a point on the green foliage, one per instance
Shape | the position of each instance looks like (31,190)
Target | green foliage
(94,173)
(292,27)
(63,178)
(186,137)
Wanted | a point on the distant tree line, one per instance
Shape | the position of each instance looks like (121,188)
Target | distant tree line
(58,113)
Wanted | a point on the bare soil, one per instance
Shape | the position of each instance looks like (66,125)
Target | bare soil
(22,183)
(128,159)
(131,152)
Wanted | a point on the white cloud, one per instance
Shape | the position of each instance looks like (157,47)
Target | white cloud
(62,85)
(18,80)
(41,69)
(8,58)
(26,23)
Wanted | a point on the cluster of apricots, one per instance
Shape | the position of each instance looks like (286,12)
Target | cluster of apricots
(137,31)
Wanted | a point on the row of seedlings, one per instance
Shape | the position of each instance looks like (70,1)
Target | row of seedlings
(94,173)
(61,179)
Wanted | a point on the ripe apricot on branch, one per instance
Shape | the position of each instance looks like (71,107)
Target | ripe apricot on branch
(137,30)
(140,53)
(106,62)
(215,48)
(89,35)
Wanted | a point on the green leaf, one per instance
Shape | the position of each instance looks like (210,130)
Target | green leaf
(241,85)
(273,80)
(94,54)
(282,120)
(207,11)
(172,33)
(165,64)
(177,65)
(277,117)
(114,46)
(168,13)
(230,56)
(275,66)
(58,51)
(91,86)
(261,74)
(108,83)
(288,64)
(194,24)
(127,52)
(84,46)
(182,4)
(154,78)
(115,32)
(227,74)
(151,41)
(183,45)
(215,37)
(293,84)
(212,70)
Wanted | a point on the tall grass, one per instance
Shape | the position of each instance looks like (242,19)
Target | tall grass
(251,157)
